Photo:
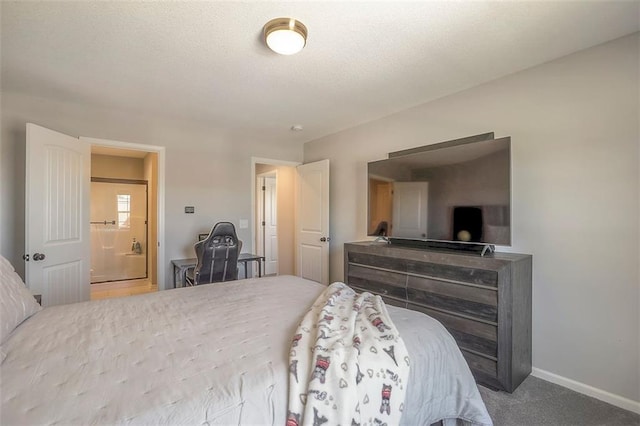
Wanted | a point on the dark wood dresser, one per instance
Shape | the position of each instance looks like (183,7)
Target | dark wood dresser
(484,302)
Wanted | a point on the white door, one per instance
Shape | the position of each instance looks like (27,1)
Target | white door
(260,223)
(312,222)
(270,226)
(58,169)
(410,209)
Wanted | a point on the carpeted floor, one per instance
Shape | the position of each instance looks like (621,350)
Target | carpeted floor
(538,402)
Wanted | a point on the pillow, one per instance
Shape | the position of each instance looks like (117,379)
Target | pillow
(16,302)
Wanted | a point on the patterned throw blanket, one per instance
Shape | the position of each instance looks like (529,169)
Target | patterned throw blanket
(348,364)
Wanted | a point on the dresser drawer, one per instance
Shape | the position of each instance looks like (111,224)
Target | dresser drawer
(382,262)
(479,294)
(384,283)
(401,303)
(454,273)
(469,301)
(472,335)
(479,363)
(464,325)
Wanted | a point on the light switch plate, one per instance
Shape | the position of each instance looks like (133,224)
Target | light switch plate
(189,209)
(244,223)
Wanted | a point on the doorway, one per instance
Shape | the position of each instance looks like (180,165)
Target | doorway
(123,231)
(119,244)
(267,221)
(275,207)
(57,212)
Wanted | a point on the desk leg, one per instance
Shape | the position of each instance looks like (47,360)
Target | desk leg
(259,268)
(175,277)
(245,270)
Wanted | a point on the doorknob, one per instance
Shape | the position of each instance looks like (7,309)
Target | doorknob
(325,239)
(38,256)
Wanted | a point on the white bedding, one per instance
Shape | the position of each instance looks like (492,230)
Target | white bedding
(215,354)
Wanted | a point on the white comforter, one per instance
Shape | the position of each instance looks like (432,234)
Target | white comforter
(215,354)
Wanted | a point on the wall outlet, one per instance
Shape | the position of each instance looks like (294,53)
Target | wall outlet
(244,223)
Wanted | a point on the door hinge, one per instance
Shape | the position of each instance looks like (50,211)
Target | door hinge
(264,223)
(264,188)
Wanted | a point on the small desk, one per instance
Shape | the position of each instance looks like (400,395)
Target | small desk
(248,257)
(181,266)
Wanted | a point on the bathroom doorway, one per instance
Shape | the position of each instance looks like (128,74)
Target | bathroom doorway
(119,244)
(124,222)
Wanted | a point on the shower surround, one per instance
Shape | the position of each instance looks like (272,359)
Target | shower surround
(118,230)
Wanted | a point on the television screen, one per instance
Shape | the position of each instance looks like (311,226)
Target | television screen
(445,192)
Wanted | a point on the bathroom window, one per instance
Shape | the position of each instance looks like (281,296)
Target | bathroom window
(124,211)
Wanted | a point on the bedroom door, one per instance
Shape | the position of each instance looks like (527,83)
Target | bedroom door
(270,226)
(267,221)
(312,224)
(57,242)
(410,209)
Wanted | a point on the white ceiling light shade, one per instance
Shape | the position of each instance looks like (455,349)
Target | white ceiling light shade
(286,36)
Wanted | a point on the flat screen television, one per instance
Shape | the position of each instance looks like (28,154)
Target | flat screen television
(457,191)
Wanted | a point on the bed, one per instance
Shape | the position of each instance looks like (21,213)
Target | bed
(211,354)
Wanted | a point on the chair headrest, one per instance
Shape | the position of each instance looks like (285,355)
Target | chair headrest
(224,228)
(223,233)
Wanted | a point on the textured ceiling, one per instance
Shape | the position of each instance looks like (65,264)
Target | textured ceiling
(206,62)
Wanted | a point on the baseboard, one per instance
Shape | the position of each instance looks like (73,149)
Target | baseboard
(617,400)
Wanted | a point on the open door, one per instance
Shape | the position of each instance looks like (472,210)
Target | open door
(57,242)
(312,224)
(267,221)
(270,226)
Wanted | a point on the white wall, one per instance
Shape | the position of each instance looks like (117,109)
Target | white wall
(205,168)
(109,166)
(574,124)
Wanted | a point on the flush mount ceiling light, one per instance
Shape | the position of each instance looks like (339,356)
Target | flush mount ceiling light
(285,36)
